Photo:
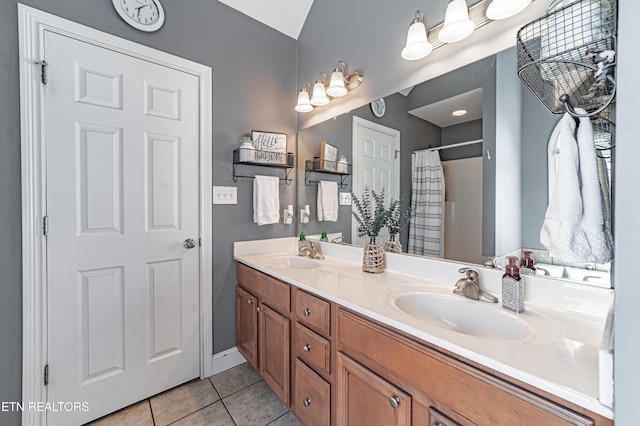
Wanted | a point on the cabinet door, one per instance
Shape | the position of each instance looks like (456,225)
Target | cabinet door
(274,346)
(246,326)
(311,397)
(366,399)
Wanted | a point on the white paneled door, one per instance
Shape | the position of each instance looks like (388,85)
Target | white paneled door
(376,159)
(122,200)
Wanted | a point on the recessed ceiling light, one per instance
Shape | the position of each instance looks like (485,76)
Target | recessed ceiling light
(459,112)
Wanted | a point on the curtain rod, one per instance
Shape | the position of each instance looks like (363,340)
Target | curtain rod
(453,145)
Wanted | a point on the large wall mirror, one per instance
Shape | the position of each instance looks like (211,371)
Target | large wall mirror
(496,170)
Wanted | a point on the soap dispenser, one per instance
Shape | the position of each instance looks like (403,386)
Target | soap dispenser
(302,241)
(527,265)
(512,286)
(324,237)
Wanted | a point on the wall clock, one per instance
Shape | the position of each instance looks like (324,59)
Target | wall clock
(378,107)
(144,15)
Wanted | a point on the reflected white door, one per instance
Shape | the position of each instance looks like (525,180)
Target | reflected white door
(376,159)
(122,197)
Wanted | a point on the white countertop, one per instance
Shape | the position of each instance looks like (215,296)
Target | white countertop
(568,319)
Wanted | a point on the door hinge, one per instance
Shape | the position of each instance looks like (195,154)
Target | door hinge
(43,71)
(200,242)
(46,374)
(45,226)
(397,153)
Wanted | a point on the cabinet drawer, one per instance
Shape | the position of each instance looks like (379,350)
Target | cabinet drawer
(436,418)
(312,398)
(313,312)
(269,290)
(313,349)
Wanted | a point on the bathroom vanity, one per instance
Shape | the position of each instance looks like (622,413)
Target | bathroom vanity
(340,346)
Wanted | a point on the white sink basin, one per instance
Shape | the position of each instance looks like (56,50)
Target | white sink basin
(293,262)
(471,317)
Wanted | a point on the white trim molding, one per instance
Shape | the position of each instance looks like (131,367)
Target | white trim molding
(32,25)
(225,360)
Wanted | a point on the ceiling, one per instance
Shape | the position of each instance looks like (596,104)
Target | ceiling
(439,113)
(286,16)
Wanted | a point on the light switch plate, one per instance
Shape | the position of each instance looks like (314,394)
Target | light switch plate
(225,195)
(345,198)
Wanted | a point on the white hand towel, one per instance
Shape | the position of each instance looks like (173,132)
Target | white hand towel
(327,201)
(574,227)
(266,200)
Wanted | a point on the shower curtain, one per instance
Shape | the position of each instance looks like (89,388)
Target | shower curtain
(426,229)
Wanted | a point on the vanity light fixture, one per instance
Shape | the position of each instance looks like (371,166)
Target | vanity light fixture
(459,112)
(417,46)
(336,87)
(457,18)
(502,9)
(457,25)
(304,104)
(341,83)
(319,95)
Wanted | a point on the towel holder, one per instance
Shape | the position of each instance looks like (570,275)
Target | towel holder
(286,168)
(311,166)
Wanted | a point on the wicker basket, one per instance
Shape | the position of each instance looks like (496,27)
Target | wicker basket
(373,258)
(392,246)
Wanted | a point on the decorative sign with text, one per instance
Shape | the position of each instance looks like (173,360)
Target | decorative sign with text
(270,147)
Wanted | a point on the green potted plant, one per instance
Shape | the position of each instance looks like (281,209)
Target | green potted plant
(396,220)
(371,217)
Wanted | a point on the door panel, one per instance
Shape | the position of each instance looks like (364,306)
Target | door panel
(122,196)
(375,165)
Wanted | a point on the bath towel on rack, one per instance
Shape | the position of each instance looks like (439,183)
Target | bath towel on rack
(266,200)
(327,201)
(574,227)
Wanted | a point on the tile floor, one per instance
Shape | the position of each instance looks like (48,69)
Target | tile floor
(235,397)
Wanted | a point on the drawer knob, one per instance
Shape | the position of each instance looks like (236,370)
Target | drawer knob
(250,301)
(394,401)
(437,424)
(259,309)
(306,312)
(306,402)
(306,347)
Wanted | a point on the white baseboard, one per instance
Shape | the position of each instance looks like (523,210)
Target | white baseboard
(225,360)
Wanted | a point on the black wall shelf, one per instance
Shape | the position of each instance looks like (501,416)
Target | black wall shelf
(285,167)
(327,167)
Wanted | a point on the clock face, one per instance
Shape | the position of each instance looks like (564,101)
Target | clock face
(145,15)
(378,107)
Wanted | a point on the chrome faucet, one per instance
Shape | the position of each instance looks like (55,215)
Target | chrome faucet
(312,250)
(470,287)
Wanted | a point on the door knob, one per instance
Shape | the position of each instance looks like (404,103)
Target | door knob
(189,243)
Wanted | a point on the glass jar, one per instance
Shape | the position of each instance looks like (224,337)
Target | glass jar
(247,150)
(342,164)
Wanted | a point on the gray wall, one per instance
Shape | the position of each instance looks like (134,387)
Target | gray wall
(626,224)
(253,88)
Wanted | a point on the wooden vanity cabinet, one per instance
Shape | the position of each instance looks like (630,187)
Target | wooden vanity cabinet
(443,388)
(333,366)
(263,327)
